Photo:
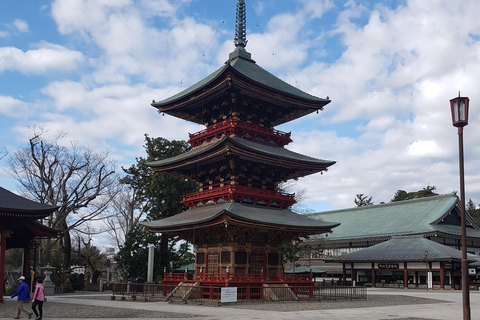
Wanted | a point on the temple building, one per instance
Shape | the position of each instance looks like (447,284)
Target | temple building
(19,227)
(396,244)
(239,218)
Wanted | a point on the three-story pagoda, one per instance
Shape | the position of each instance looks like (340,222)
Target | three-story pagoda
(239,219)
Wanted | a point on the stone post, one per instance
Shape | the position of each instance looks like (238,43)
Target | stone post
(151,249)
(47,282)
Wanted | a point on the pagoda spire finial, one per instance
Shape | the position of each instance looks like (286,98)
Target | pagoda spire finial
(240,28)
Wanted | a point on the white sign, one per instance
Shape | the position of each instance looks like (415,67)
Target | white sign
(228,294)
(430,280)
(472,271)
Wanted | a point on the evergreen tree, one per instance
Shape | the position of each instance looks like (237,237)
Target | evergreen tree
(362,200)
(472,209)
(159,196)
(401,195)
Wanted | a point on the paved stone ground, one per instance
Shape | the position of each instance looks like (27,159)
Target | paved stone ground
(62,310)
(69,311)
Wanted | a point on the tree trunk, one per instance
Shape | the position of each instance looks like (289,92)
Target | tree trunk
(66,246)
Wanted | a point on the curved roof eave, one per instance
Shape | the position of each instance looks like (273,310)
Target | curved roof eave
(247,69)
(192,89)
(270,217)
(259,147)
(265,79)
(12,204)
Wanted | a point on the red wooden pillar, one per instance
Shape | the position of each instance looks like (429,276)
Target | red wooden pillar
(3,245)
(26,261)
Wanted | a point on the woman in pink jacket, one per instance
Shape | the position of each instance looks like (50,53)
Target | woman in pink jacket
(38,298)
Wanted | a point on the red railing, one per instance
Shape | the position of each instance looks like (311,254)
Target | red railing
(236,126)
(232,277)
(234,192)
(180,277)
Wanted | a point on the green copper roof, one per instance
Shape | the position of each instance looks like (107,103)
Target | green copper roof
(405,248)
(214,148)
(419,216)
(262,215)
(240,63)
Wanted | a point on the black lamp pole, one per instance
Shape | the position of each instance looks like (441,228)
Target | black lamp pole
(459,108)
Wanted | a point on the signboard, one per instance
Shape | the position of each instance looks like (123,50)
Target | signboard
(430,280)
(228,294)
(472,271)
(387,266)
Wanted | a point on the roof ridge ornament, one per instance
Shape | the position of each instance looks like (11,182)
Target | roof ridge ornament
(240,40)
(240,27)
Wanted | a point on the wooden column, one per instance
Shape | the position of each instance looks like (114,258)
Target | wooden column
(344,274)
(405,275)
(354,275)
(373,274)
(442,274)
(3,245)
(26,261)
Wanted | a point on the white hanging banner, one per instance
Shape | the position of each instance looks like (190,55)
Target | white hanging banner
(430,280)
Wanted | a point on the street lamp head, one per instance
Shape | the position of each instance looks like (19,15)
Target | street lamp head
(459,107)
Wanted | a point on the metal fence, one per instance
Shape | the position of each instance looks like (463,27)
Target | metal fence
(212,294)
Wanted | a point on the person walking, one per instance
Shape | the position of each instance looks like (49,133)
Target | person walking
(38,298)
(23,293)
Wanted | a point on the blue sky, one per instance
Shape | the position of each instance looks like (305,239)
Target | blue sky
(91,68)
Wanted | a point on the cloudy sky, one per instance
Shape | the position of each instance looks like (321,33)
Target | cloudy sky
(91,68)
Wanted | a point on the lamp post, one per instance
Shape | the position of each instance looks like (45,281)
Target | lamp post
(459,108)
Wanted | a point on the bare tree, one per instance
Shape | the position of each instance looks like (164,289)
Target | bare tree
(80,182)
(3,153)
(125,216)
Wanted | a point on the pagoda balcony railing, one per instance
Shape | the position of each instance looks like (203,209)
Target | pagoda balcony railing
(236,126)
(229,191)
(232,277)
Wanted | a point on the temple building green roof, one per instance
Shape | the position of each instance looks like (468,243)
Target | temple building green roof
(424,216)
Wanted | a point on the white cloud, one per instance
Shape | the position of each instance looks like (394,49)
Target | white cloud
(11,107)
(110,114)
(132,45)
(44,58)
(317,8)
(20,25)
(388,126)
(424,148)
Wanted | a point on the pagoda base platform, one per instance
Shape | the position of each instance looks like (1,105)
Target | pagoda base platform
(178,286)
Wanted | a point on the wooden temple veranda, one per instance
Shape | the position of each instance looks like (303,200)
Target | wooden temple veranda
(239,218)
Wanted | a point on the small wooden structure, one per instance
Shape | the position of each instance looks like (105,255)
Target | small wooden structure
(18,227)
(239,218)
